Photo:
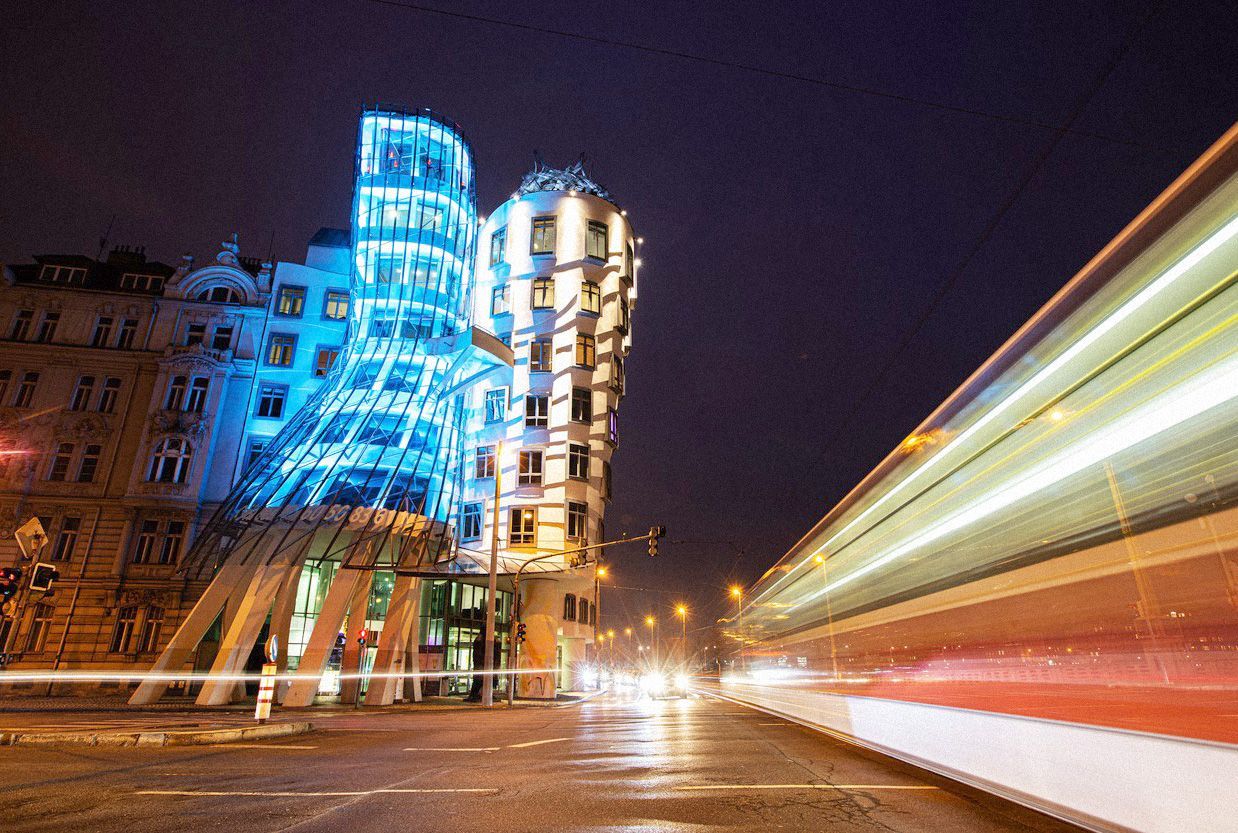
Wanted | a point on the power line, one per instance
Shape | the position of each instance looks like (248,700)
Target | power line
(766,71)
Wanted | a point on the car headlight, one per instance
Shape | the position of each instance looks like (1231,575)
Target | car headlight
(653,683)
(682,681)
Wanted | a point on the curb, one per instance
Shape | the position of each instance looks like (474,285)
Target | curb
(171,737)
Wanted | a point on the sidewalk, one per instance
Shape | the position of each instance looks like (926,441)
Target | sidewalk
(108,720)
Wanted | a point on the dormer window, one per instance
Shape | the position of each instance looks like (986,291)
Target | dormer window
(220,295)
(146,283)
(63,274)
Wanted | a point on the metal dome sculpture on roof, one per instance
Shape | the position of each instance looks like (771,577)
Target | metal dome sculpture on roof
(572,178)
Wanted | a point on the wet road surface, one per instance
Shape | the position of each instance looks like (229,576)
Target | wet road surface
(609,764)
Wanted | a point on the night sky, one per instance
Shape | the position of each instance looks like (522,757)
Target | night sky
(794,231)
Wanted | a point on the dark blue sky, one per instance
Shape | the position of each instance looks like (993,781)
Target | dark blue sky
(793,231)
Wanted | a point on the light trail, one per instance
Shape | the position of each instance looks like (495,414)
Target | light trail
(152,676)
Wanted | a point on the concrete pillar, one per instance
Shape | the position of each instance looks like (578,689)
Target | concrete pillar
(390,657)
(344,587)
(189,634)
(281,617)
(247,622)
(540,609)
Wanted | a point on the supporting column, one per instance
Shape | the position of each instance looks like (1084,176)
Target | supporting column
(391,650)
(352,649)
(191,631)
(412,651)
(281,617)
(344,587)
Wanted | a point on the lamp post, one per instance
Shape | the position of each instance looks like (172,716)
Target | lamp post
(600,572)
(653,628)
(628,652)
(681,610)
(737,593)
(492,584)
(829,615)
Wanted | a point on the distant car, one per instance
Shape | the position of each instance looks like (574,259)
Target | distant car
(662,684)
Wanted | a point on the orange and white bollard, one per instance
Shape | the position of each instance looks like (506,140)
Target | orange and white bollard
(266,692)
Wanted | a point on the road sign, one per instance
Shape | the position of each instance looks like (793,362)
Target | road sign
(272,648)
(30,537)
(42,576)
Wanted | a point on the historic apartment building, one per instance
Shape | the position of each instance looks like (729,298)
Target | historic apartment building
(132,394)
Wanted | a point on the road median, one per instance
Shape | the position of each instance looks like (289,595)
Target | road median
(162,737)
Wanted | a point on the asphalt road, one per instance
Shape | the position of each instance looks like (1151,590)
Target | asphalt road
(609,764)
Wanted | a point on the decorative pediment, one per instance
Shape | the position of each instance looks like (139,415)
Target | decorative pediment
(183,424)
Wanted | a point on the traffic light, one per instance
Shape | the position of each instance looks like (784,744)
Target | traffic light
(520,631)
(10,579)
(655,532)
(361,636)
(42,576)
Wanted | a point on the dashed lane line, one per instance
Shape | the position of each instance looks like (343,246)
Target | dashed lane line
(694,787)
(452,748)
(309,793)
(536,743)
(258,746)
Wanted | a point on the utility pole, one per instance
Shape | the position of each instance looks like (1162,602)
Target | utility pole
(492,584)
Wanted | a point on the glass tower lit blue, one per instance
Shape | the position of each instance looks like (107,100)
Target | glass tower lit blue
(370,468)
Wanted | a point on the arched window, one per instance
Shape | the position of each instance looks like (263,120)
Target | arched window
(171,461)
(582,615)
(569,608)
(220,295)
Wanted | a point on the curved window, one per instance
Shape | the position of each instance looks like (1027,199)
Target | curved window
(569,608)
(171,461)
(220,295)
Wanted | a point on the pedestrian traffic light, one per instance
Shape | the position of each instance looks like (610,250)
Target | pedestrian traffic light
(42,576)
(10,579)
(520,631)
(655,532)
(361,636)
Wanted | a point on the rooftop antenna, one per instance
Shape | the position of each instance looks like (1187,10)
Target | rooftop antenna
(271,251)
(103,240)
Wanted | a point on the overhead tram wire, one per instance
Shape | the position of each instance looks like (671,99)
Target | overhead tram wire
(986,234)
(759,70)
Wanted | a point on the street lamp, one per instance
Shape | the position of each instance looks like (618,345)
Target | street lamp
(653,627)
(681,610)
(737,593)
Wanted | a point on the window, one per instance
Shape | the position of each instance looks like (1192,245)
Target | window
(498,242)
(59,469)
(382,429)
(271,399)
(582,405)
(382,328)
(176,393)
(107,399)
(195,334)
(500,300)
(625,316)
(222,339)
(335,307)
(496,405)
(543,242)
(66,541)
(103,331)
(151,630)
(612,425)
(483,461)
(569,608)
(616,374)
(537,410)
(290,301)
(522,526)
(596,240)
(25,391)
(628,260)
(171,461)
(256,447)
(470,522)
(577,514)
(122,631)
(144,549)
(606,480)
(149,283)
(324,359)
(128,329)
(590,297)
(540,351)
(47,327)
(82,394)
(89,464)
(586,351)
(543,293)
(20,330)
(578,461)
(197,395)
(63,274)
(530,473)
(582,613)
(6,379)
(173,538)
(220,295)
(40,625)
(280,349)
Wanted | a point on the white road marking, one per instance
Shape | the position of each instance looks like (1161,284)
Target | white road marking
(292,794)
(773,724)
(257,746)
(808,787)
(452,748)
(536,743)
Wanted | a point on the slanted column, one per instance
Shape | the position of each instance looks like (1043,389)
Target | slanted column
(352,649)
(190,633)
(390,658)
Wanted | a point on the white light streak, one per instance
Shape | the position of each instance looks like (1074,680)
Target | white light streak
(192,676)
